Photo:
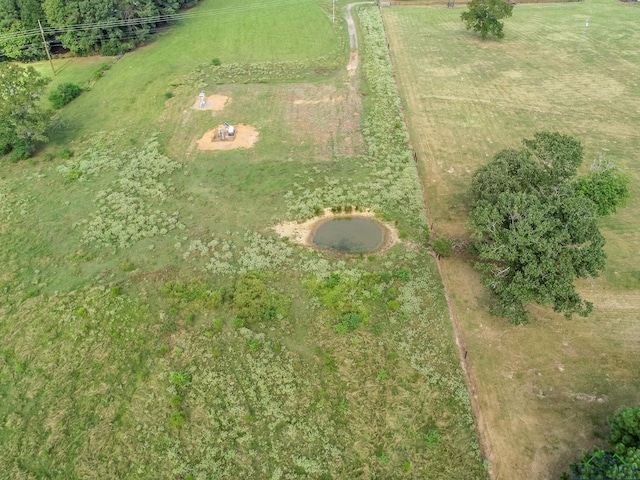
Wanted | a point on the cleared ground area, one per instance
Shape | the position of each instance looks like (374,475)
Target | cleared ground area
(545,389)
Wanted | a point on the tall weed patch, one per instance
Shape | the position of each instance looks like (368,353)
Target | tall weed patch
(130,209)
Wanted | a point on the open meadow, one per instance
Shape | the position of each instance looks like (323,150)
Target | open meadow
(545,389)
(152,322)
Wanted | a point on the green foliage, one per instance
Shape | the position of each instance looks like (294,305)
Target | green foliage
(20,151)
(625,432)
(347,322)
(22,122)
(339,294)
(560,154)
(403,274)
(623,461)
(386,277)
(181,379)
(101,70)
(120,32)
(254,301)
(605,186)
(190,291)
(442,246)
(484,16)
(433,438)
(534,233)
(177,419)
(66,154)
(216,62)
(63,94)
(15,18)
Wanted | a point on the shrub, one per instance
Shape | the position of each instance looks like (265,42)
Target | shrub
(190,291)
(216,62)
(178,419)
(254,300)
(100,71)
(348,321)
(393,305)
(168,95)
(62,95)
(66,154)
(181,379)
(625,430)
(386,277)
(20,151)
(432,437)
(442,247)
(403,274)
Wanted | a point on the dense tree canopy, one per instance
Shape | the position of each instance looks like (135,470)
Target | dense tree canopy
(535,227)
(484,16)
(17,16)
(22,121)
(105,26)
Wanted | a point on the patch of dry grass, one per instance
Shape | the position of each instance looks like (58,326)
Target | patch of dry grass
(545,389)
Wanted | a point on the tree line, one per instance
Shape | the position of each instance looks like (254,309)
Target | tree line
(108,27)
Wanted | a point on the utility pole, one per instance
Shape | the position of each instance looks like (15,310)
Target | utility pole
(46,48)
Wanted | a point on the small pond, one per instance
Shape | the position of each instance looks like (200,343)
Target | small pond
(349,235)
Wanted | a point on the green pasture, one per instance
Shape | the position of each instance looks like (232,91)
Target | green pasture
(544,389)
(132,93)
(153,325)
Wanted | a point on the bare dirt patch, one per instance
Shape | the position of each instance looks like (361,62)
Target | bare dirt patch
(302,233)
(245,137)
(215,103)
(328,115)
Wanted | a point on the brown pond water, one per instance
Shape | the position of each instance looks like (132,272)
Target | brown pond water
(349,235)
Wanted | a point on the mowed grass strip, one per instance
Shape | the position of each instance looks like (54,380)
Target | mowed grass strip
(545,389)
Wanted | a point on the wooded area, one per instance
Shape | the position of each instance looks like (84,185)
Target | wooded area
(82,27)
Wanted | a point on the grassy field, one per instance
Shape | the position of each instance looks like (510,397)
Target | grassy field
(544,389)
(154,326)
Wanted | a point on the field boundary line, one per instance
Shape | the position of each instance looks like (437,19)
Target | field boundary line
(478,418)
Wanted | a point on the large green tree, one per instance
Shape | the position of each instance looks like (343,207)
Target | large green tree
(535,231)
(22,121)
(483,16)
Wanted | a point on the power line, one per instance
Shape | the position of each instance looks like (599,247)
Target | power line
(146,20)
